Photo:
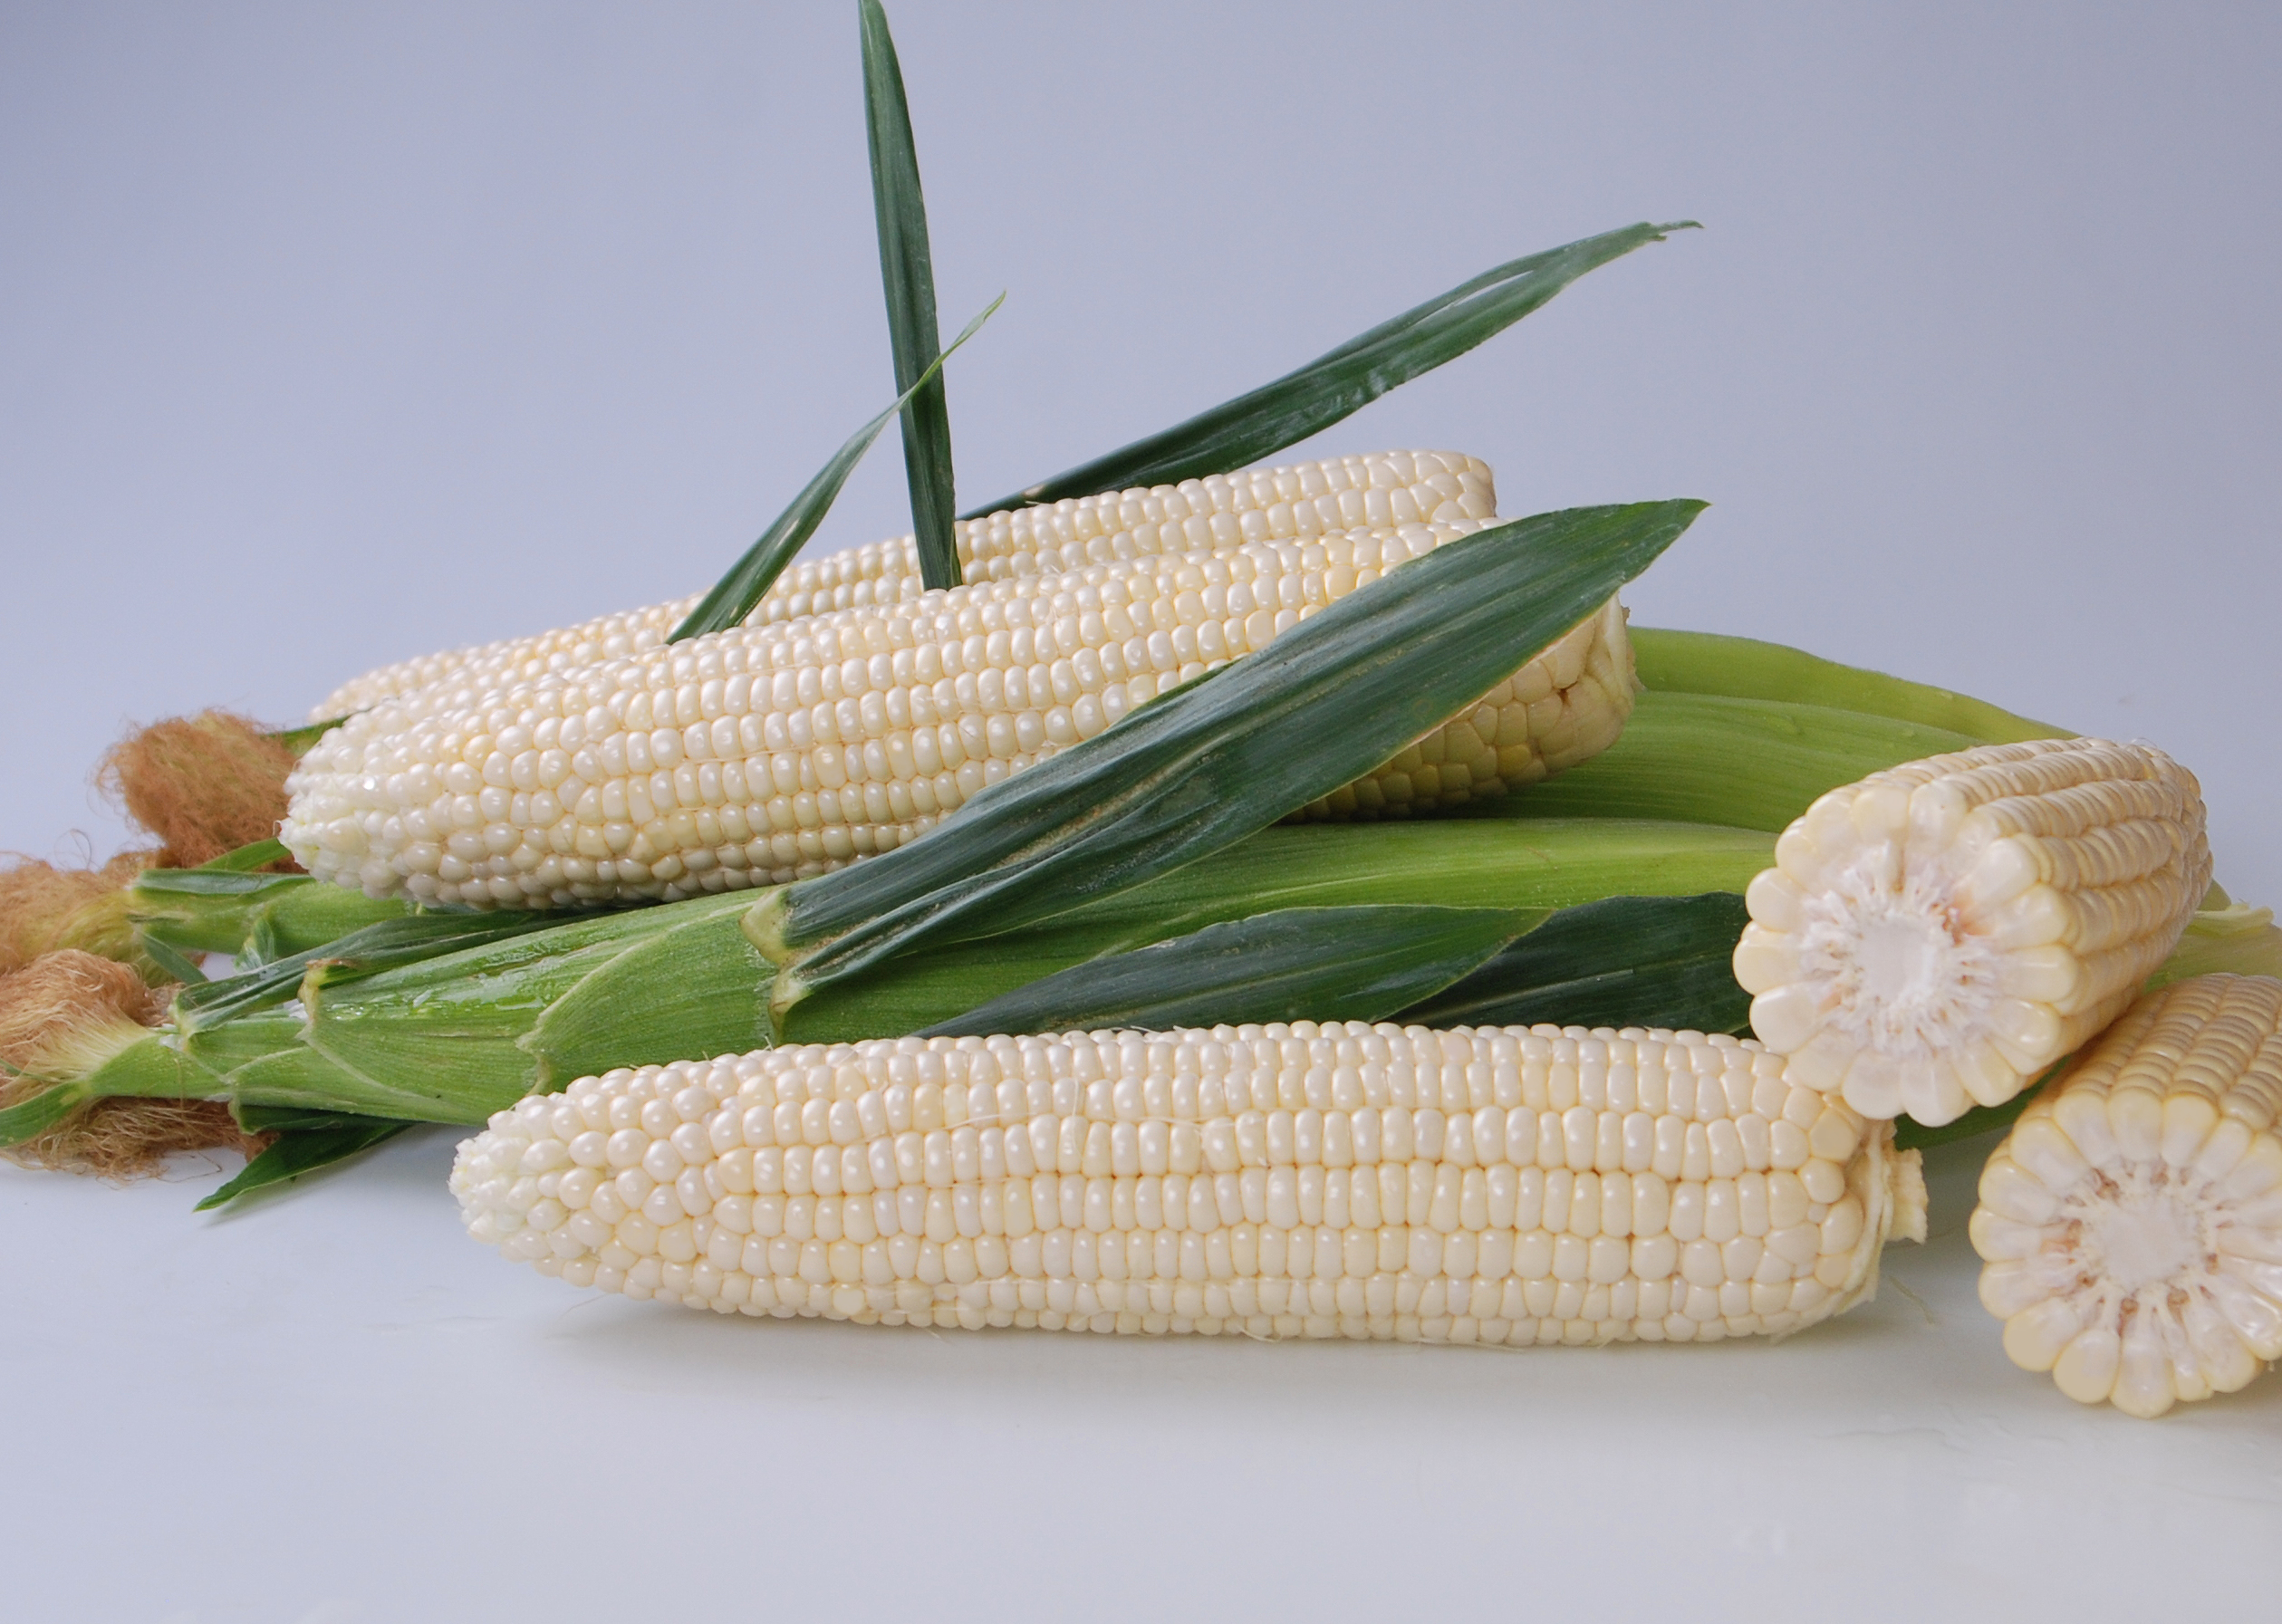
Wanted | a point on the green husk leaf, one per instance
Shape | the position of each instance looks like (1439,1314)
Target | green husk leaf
(1537,866)
(734,596)
(1703,662)
(1625,961)
(1203,767)
(246,858)
(33,1115)
(298,740)
(379,947)
(1703,758)
(175,965)
(211,910)
(1317,963)
(302,1150)
(1342,380)
(907,271)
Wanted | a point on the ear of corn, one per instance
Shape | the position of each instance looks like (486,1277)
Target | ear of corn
(1936,935)
(2131,1221)
(1503,1186)
(845,735)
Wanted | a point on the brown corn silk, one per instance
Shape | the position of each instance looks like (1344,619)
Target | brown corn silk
(43,907)
(67,996)
(203,784)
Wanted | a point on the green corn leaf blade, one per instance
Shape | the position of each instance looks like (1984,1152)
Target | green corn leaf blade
(298,740)
(749,580)
(302,1150)
(1624,961)
(1703,758)
(1342,381)
(247,859)
(375,948)
(907,271)
(1704,662)
(1316,963)
(1203,767)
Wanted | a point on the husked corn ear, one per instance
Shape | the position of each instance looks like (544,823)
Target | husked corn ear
(1936,935)
(2132,1220)
(772,752)
(1505,1185)
(1199,515)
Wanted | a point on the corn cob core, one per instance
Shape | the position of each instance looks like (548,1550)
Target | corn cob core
(1935,935)
(1198,515)
(2132,1220)
(774,752)
(1505,1185)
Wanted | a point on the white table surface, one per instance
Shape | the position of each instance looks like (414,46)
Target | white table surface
(328,336)
(334,1406)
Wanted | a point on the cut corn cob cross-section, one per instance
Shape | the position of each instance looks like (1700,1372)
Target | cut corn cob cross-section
(2133,1219)
(1937,935)
(1294,503)
(772,752)
(1501,1185)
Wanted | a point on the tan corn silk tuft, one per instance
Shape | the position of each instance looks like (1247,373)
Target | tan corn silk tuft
(67,999)
(203,784)
(43,907)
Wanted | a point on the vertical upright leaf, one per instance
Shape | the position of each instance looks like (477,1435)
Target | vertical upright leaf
(908,272)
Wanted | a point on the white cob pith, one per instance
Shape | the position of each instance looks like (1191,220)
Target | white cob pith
(1935,935)
(1501,1185)
(2132,1221)
(774,752)
(1199,515)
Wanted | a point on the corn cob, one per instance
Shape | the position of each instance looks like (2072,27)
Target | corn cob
(1199,515)
(1937,935)
(1495,1185)
(2133,1219)
(776,751)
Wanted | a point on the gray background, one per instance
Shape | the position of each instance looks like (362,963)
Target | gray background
(329,336)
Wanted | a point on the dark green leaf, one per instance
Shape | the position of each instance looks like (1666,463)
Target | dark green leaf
(1344,380)
(1316,963)
(303,1151)
(1626,961)
(1197,770)
(286,1118)
(907,270)
(376,947)
(735,594)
